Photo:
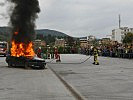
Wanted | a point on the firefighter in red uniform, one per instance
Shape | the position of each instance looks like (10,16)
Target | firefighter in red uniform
(39,51)
(57,55)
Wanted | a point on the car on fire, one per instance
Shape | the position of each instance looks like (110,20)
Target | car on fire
(26,62)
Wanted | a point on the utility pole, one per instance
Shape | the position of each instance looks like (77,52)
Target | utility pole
(119,20)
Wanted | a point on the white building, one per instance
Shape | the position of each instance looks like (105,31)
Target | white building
(119,34)
(91,38)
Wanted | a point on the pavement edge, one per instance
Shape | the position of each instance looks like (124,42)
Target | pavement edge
(73,91)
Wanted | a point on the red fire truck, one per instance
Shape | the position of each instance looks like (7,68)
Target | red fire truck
(3,48)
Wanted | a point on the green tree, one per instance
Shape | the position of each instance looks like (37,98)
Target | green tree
(128,38)
(61,50)
(39,36)
(70,41)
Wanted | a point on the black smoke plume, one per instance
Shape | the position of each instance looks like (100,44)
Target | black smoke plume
(22,20)
(2,4)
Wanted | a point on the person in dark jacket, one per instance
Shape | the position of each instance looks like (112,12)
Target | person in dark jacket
(95,53)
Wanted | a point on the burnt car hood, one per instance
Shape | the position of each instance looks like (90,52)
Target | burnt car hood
(26,58)
(37,59)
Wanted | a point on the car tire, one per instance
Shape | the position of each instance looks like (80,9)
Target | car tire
(10,65)
(26,66)
(42,67)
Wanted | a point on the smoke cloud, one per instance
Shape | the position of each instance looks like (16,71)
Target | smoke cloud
(22,20)
(3,16)
(2,3)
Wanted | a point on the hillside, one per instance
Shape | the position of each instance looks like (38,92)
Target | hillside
(5,33)
(47,32)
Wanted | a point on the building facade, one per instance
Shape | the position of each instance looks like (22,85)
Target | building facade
(119,34)
(83,43)
(105,41)
(60,42)
(39,43)
(87,42)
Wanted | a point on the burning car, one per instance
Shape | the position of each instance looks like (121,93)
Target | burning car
(22,21)
(23,55)
(26,62)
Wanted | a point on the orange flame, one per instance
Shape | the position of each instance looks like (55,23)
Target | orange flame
(21,49)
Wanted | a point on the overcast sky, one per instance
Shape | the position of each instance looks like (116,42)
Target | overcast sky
(80,17)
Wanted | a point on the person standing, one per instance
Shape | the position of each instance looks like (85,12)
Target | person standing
(39,51)
(57,55)
(95,53)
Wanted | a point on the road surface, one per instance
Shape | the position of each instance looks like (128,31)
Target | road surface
(22,84)
(111,80)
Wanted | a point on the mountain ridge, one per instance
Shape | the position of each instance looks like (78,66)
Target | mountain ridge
(51,32)
(5,33)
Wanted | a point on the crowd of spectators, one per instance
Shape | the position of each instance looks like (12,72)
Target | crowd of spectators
(120,51)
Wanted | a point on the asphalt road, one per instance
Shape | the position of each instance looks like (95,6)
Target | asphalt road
(111,80)
(22,84)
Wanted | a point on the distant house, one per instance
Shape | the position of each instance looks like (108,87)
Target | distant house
(87,42)
(83,43)
(91,40)
(39,43)
(60,42)
(105,41)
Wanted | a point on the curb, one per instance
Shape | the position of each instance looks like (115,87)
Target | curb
(74,92)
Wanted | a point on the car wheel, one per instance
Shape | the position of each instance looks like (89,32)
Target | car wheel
(26,66)
(9,64)
(42,67)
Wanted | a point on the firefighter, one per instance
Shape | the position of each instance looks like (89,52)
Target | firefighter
(57,55)
(95,53)
(52,53)
(39,51)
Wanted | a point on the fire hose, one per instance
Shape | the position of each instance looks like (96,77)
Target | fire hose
(51,62)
